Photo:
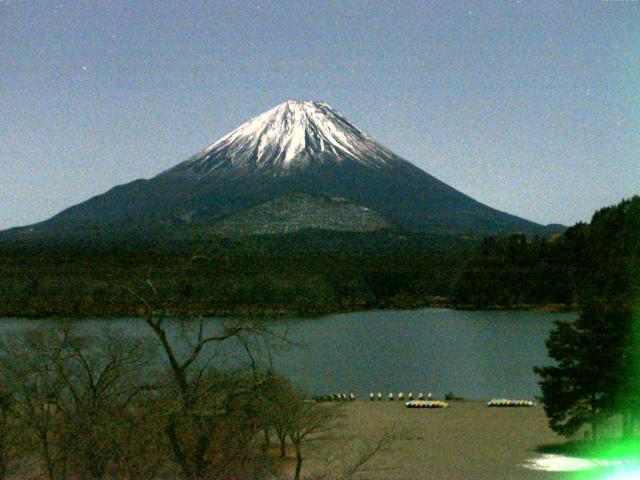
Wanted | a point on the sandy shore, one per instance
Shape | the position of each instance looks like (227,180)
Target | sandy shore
(466,441)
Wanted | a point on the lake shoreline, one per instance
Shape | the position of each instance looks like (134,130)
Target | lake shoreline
(491,353)
(289,312)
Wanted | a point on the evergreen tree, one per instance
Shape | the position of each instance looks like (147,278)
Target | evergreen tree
(597,356)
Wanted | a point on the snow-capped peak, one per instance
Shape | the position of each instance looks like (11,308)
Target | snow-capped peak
(291,135)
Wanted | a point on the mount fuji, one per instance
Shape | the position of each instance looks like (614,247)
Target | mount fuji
(301,165)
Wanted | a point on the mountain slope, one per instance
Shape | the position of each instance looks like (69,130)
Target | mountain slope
(297,212)
(295,147)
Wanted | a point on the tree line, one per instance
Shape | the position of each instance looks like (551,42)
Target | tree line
(72,280)
(516,271)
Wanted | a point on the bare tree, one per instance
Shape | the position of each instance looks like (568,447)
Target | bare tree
(211,418)
(8,431)
(345,467)
(307,419)
(278,395)
(37,387)
(207,409)
(304,422)
(143,455)
(97,406)
(75,393)
(101,376)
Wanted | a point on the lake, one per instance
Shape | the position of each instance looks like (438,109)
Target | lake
(473,354)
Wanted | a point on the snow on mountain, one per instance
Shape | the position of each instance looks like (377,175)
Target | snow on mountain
(291,136)
(251,181)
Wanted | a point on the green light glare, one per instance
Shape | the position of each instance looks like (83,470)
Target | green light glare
(625,475)
(619,458)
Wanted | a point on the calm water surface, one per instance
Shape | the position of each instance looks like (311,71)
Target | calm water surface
(473,354)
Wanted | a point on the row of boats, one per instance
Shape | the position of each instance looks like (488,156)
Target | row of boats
(495,402)
(426,404)
(334,397)
(504,402)
(420,402)
(400,397)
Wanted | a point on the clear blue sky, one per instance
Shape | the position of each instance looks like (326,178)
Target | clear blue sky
(530,107)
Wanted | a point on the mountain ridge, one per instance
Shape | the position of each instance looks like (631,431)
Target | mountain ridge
(294,147)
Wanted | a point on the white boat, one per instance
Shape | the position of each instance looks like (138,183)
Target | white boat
(426,404)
